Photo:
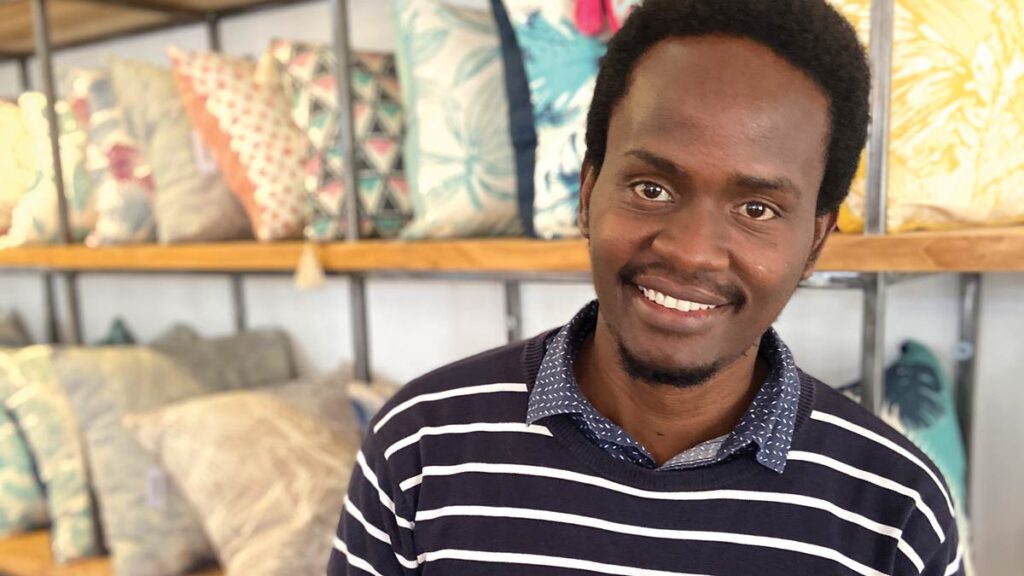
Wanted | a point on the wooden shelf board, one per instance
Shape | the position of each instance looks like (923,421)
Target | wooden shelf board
(989,250)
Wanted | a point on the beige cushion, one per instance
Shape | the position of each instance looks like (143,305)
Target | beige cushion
(193,203)
(267,471)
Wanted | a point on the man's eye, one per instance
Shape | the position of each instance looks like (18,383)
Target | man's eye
(758,211)
(651,191)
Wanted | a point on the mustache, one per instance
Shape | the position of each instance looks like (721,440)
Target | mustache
(728,291)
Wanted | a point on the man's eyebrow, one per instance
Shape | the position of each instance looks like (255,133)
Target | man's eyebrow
(780,184)
(660,163)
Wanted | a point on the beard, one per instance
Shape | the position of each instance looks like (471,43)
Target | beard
(641,370)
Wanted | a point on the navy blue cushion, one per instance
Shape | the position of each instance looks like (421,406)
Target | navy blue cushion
(520,109)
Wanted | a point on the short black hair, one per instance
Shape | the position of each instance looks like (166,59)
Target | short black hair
(809,34)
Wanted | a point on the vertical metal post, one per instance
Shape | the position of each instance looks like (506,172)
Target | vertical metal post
(346,138)
(52,329)
(966,356)
(873,342)
(873,346)
(74,311)
(238,302)
(213,40)
(24,77)
(42,38)
(513,311)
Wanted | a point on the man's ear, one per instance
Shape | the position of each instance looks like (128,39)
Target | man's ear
(823,227)
(588,177)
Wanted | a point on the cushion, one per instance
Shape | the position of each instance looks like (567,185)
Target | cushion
(22,502)
(249,359)
(118,334)
(246,123)
(368,399)
(120,176)
(149,526)
(30,392)
(561,67)
(308,75)
(12,331)
(193,203)
(458,149)
(35,218)
(956,121)
(18,169)
(268,476)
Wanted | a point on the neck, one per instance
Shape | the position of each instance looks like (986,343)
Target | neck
(667,420)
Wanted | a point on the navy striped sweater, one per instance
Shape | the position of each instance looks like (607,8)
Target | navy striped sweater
(451,481)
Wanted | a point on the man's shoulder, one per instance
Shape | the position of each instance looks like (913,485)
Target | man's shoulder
(846,436)
(485,385)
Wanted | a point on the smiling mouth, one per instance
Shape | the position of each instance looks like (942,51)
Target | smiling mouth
(672,303)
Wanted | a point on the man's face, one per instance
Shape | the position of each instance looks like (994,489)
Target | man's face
(707,196)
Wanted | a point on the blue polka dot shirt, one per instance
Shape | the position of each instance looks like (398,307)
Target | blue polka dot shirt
(766,427)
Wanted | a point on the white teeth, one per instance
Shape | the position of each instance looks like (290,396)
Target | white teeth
(674,303)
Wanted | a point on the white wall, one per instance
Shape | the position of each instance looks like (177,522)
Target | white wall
(418,325)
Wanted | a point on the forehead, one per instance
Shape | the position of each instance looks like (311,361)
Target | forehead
(731,99)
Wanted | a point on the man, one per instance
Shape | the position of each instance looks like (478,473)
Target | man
(666,429)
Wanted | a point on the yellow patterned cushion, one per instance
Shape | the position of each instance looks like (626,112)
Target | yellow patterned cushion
(17,163)
(957,118)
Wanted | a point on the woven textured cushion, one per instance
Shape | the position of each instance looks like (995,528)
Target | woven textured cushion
(956,117)
(22,502)
(149,526)
(308,75)
(561,68)
(120,176)
(18,169)
(246,123)
(193,203)
(35,218)
(245,360)
(458,150)
(266,469)
(31,393)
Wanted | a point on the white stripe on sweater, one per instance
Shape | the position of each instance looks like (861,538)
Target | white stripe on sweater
(435,396)
(882,440)
(384,498)
(742,495)
(465,429)
(541,560)
(872,478)
(660,533)
(353,560)
(352,510)
(954,566)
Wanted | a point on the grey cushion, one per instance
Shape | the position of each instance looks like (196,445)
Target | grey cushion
(249,359)
(12,331)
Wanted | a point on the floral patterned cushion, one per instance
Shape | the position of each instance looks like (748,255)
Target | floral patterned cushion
(30,392)
(458,151)
(561,66)
(267,470)
(35,219)
(245,122)
(193,203)
(18,169)
(955,157)
(308,74)
(22,502)
(120,176)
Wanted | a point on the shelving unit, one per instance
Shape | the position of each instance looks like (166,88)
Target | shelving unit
(986,250)
(873,256)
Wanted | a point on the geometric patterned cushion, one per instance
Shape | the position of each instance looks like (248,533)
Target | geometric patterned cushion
(244,121)
(122,179)
(308,77)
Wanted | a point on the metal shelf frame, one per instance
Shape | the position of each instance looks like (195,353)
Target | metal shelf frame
(873,285)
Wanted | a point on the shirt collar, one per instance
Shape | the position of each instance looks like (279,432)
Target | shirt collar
(768,423)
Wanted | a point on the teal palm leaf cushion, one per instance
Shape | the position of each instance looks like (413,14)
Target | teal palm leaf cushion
(561,65)
(458,153)
(22,502)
